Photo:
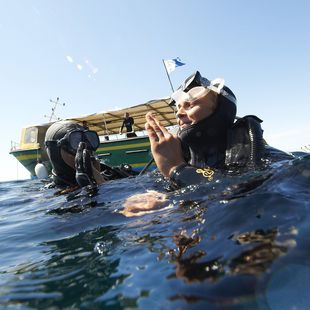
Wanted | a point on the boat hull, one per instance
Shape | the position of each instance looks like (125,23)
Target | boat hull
(29,158)
(133,151)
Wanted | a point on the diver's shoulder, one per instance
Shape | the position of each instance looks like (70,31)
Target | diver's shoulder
(275,154)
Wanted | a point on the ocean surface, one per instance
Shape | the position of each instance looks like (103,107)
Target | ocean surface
(241,242)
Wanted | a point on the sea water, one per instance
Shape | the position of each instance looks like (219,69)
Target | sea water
(240,242)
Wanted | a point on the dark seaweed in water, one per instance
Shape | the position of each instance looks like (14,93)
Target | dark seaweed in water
(241,242)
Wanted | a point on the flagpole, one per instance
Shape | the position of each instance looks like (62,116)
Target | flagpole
(168,76)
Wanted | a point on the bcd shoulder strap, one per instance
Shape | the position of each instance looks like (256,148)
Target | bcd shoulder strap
(246,145)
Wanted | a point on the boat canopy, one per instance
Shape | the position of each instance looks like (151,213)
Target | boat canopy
(107,123)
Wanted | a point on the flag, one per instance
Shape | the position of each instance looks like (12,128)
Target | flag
(171,64)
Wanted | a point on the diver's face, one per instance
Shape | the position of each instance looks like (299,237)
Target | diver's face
(192,111)
(68,158)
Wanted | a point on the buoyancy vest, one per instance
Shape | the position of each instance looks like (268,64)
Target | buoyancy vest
(245,143)
(244,147)
(214,144)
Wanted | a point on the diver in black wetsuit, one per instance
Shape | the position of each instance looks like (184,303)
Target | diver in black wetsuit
(71,150)
(209,139)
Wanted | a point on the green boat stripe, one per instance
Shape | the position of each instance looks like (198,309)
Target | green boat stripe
(26,157)
(138,165)
(122,147)
(30,158)
(110,148)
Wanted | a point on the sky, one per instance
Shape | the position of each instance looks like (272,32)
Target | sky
(100,55)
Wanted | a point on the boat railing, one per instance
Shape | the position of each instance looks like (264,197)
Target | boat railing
(140,133)
(14,146)
(123,136)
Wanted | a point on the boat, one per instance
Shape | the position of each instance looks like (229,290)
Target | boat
(115,149)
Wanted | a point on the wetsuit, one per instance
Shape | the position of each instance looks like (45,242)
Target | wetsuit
(242,147)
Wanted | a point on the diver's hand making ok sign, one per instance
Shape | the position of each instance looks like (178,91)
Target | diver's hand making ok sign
(165,147)
(84,171)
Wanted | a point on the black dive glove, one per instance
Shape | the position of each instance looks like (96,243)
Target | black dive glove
(84,174)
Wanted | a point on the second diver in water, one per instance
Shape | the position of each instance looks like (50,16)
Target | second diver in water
(71,150)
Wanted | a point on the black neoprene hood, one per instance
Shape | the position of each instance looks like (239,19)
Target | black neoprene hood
(62,173)
(59,129)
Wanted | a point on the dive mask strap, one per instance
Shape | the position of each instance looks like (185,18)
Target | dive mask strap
(50,143)
(217,89)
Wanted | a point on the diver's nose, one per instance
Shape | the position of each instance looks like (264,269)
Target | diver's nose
(86,141)
(180,112)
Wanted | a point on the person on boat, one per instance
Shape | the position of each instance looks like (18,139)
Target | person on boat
(85,125)
(128,122)
(71,151)
(209,138)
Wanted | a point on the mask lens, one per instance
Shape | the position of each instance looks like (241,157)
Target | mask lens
(191,95)
(75,137)
(196,92)
(92,139)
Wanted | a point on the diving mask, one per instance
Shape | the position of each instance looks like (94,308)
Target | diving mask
(198,91)
(73,138)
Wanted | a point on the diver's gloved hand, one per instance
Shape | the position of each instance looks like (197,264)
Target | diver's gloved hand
(84,174)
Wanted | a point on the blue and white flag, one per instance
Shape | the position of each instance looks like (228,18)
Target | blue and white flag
(171,64)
